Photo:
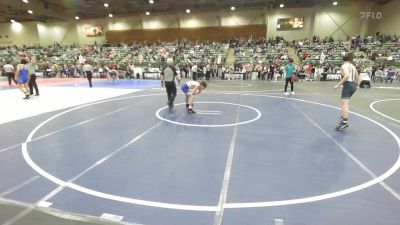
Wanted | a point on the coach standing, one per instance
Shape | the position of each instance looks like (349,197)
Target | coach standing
(168,75)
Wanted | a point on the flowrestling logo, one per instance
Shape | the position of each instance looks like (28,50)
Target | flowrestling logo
(371,15)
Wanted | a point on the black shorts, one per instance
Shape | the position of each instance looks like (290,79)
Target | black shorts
(348,89)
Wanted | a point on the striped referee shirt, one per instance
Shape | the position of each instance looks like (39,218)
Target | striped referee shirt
(169,73)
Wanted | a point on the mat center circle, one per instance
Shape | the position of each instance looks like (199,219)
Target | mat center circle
(210,114)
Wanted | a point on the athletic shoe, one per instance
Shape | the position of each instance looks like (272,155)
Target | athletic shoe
(342,126)
(286,93)
(37,95)
(27,97)
(191,111)
(292,93)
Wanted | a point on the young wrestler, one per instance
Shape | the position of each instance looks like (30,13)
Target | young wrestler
(22,78)
(350,82)
(191,89)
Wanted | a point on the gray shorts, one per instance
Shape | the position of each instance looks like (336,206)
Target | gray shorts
(348,89)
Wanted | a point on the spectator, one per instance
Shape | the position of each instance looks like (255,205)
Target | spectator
(390,75)
(9,70)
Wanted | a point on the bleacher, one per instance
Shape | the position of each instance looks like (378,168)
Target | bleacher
(151,57)
(383,53)
(332,52)
(263,53)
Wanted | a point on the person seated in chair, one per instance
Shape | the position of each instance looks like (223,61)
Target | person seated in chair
(379,75)
(390,75)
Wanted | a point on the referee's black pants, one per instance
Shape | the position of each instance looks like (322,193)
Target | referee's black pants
(32,84)
(171,91)
(11,77)
(194,76)
(89,77)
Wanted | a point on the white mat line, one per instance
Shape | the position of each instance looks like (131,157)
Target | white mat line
(208,113)
(371,106)
(66,128)
(72,126)
(204,112)
(350,155)
(19,186)
(67,184)
(227,174)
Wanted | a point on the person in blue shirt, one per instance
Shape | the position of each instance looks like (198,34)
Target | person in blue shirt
(22,77)
(390,75)
(289,71)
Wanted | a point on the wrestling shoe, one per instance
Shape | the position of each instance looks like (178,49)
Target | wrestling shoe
(342,126)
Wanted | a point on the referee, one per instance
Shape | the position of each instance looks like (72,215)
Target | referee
(88,70)
(168,75)
(32,74)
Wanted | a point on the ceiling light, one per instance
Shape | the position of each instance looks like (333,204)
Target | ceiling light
(281,5)
(106,5)
(334,3)
(30,11)
(233,8)
(12,21)
(26,1)
(187,11)
(77,17)
(151,1)
(147,13)
(110,15)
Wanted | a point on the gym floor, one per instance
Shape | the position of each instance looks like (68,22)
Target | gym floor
(249,156)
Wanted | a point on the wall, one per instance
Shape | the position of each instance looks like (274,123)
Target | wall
(213,33)
(342,21)
(200,20)
(273,16)
(240,17)
(19,33)
(389,24)
(82,25)
(60,32)
(338,21)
